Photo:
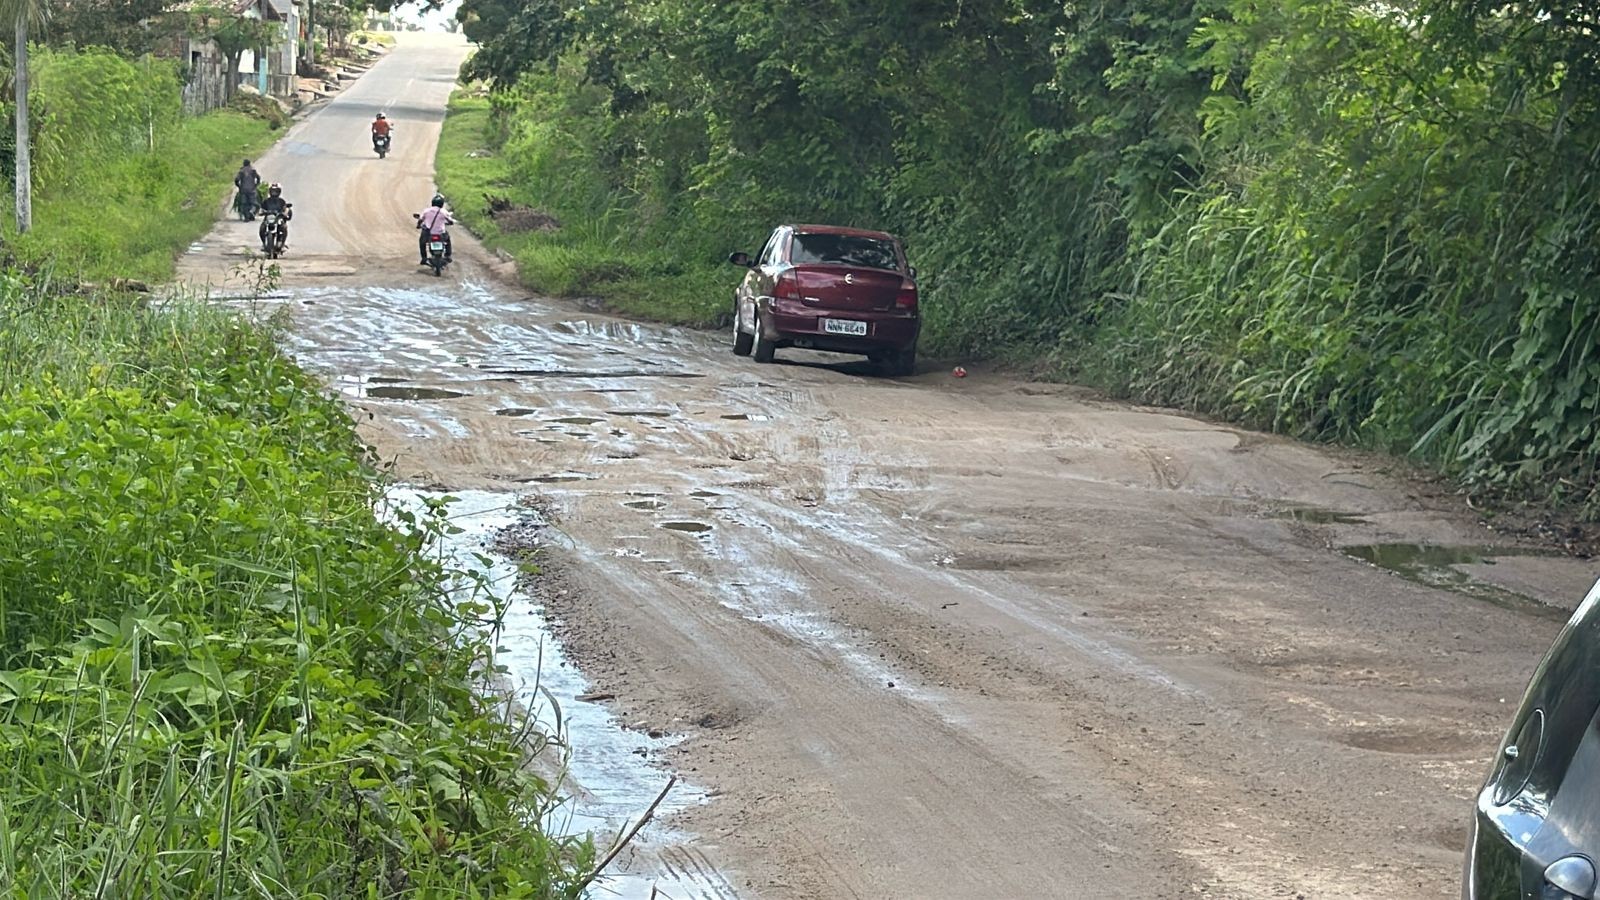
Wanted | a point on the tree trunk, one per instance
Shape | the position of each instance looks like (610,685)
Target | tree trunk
(24,158)
(311,35)
(231,79)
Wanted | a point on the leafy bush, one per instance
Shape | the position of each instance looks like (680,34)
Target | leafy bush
(220,672)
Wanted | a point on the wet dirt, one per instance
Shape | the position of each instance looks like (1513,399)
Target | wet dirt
(945,639)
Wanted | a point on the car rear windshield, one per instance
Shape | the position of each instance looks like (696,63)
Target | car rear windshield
(844,250)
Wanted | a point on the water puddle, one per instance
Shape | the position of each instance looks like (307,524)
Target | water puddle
(580,373)
(578,420)
(745,417)
(557,478)
(688,527)
(411,392)
(1440,567)
(1312,515)
(610,780)
(704,495)
(646,504)
(515,411)
(641,413)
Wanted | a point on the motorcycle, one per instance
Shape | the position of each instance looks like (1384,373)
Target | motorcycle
(380,143)
(245,205)
(273,242)
(438,251)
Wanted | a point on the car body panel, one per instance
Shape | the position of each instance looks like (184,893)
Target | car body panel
(1531,814)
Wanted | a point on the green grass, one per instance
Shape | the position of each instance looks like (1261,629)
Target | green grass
(128,216)
(228,666)
(590,255)
(220,672)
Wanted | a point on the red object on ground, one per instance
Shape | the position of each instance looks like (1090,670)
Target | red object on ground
(959,372)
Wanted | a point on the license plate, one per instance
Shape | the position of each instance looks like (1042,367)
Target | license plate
(844,326)
(437,246)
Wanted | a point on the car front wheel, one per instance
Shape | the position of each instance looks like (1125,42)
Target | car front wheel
(762,349)
(742,343)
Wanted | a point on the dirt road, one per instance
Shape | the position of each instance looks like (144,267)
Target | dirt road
(926,637)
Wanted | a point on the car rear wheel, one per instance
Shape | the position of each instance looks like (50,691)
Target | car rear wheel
(762,349)
(741,342)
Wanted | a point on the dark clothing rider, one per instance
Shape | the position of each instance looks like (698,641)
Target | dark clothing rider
(276,204)
(248,181)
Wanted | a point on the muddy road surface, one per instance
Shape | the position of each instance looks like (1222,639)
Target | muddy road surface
(925,637)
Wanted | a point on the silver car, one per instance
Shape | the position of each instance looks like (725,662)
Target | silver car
(1536,829)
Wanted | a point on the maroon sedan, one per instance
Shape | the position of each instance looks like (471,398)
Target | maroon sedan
(826,288)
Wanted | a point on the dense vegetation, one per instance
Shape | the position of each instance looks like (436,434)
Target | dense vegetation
(228,666)
(121,177)
(1370,223)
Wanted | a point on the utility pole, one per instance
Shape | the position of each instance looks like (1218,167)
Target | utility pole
(24,156)
(311,34)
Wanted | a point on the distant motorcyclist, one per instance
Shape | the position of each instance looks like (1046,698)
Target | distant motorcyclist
(248,181)
(276,204)
(431,221)
(380,129)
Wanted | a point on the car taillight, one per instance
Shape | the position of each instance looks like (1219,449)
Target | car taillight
(788,287)
(907,298)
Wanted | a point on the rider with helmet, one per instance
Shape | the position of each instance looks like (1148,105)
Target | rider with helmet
(433,221)
(276,204)
(429,221)
(380,129)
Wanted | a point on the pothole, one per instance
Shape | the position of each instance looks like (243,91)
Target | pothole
(1440,567)
(686,526)
(515,411)
(745,417)
(557,478)
(649,504)
(412,392)
(1312,515)
(1413,742)
(578,420)
(641,413)
(704,495)
(581,373)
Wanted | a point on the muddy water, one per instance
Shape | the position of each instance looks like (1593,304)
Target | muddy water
(609,779)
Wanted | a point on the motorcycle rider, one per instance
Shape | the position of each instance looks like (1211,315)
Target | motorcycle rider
(380,129)
(247,181)
(276,204)
(433,221)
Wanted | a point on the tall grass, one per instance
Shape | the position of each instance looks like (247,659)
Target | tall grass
(226,669)
(220,673)
(600,250)
(125,181)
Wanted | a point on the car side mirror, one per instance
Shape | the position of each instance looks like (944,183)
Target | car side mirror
(912,271)
(742,259)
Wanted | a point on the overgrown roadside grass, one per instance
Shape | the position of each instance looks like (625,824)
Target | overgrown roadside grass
(127,216)
(227,666)
(220,672)
(589,254)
